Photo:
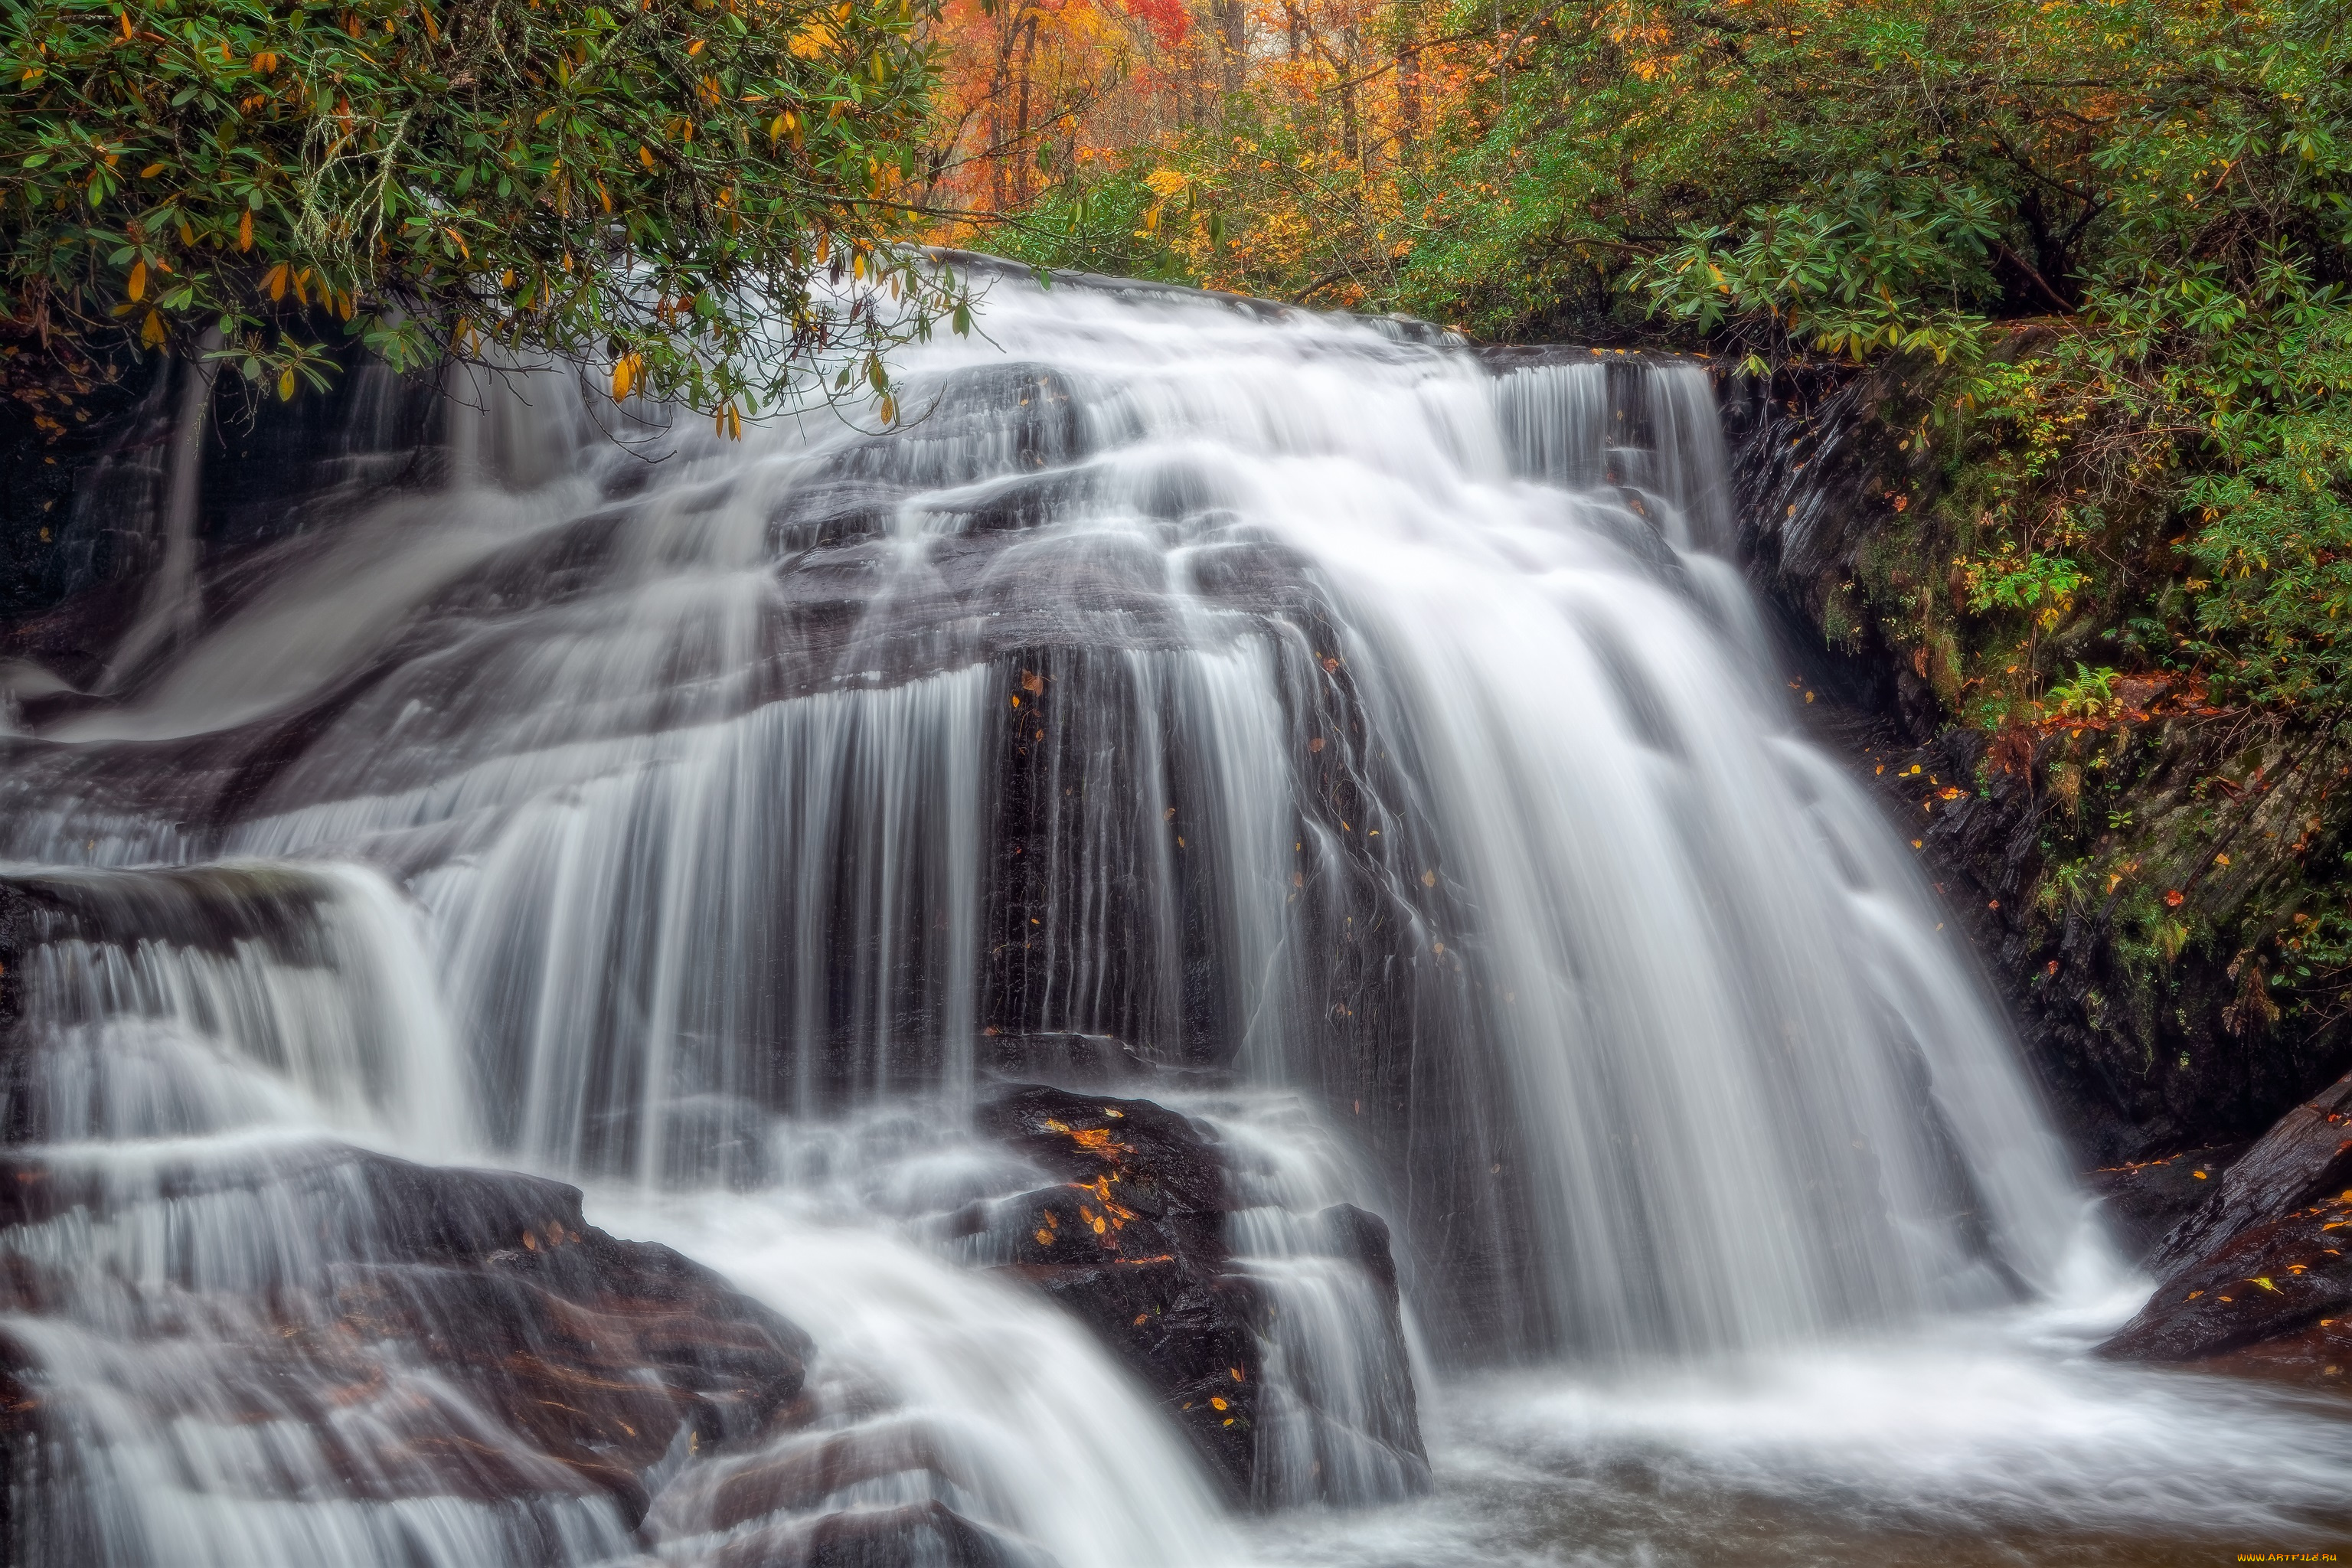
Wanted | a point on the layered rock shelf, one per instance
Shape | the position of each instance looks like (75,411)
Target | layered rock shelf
(2257,1278)
(431,1332)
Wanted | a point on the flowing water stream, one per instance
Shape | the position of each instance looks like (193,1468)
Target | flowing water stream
(1380,745)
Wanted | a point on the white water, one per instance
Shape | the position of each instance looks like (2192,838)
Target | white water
(1283,699)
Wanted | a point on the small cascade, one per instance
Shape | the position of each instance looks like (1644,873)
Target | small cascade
(170,611)
(942,1397)
(1651,428)
(232,996)
(1340,1423)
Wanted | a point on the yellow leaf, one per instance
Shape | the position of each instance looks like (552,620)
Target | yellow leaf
(625,374)
(151,331)
(286,385)
(694,48)
(275,281)
(137,280)
(244,230)
(150,171)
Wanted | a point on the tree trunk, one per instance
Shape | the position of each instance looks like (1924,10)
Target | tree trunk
(1233,44)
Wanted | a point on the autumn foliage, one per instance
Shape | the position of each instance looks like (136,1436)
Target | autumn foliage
(665,193)
(1277,148)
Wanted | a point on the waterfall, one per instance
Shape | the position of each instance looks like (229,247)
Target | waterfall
(1373,745)
(169,613)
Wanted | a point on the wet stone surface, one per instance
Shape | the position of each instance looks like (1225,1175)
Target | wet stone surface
(2257,1277)
(1134,1244)
(2144,1201)
(433,1332)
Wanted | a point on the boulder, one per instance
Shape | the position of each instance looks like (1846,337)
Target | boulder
(2306,1155)
(1134,1244)
(2257,1278)
(513,1351)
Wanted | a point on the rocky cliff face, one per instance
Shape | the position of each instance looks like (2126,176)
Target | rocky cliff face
(2138,883)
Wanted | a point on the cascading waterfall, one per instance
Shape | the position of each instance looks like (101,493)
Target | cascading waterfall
(1370,739)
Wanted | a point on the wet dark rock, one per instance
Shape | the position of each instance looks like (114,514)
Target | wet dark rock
(930,1534)
(2263,1284)
(599,1358)
(1166,1162)
(2307,1157)
(62,411)
(20,927)
(2319,1354)
(72,498)
(1075,1060)
(1134,1246)
(2260,1271)
(2144,1201)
